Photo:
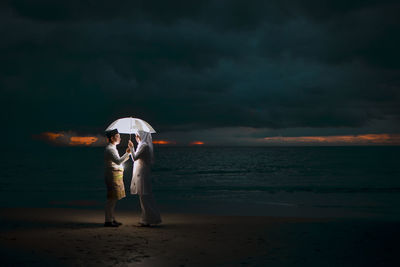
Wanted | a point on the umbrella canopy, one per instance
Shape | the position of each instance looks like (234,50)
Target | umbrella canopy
(130,126)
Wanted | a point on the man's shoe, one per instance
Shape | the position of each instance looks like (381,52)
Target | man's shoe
(118,223)
(110,224)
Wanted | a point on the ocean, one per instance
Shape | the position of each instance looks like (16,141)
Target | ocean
(348,181)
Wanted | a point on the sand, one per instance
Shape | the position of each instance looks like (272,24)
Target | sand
(76,237)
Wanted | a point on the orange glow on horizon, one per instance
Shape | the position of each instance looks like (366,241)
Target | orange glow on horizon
(50,136)
(196,143)
(78,140)
(349,139)
(164,142)
(70,139)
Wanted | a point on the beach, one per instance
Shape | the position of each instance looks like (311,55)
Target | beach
(76,237)
(241,206)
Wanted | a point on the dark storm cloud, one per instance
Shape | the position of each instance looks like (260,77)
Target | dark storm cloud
(368,35)
(78,65)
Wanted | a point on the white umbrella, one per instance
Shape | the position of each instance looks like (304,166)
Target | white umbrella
(130,126)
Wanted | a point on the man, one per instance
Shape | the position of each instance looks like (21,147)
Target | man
(113,176)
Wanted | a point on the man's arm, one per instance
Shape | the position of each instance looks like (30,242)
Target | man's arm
(116,158)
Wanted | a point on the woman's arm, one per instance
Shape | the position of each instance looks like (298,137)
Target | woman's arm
(136,155)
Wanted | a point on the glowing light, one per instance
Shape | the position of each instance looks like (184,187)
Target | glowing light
(49,136)
(345,139)
(78,140)
(52,136)
(69,138)
(196,143)
(164,142)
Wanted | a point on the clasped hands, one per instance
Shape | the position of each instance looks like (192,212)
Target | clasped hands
(130,147)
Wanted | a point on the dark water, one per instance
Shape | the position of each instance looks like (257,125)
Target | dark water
(276,181)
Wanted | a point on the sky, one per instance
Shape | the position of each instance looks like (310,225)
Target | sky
(212,72)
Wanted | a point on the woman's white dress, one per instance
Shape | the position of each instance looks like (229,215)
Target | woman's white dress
(141,185)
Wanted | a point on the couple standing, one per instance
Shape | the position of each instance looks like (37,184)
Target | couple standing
(141,182)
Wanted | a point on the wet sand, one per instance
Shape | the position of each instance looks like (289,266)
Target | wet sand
(76,237)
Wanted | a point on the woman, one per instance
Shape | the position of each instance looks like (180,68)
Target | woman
(141,182)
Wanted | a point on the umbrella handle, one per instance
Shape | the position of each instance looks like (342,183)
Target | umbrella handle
(130,130)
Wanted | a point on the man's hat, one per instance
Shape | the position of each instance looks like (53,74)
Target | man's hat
(111,133)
